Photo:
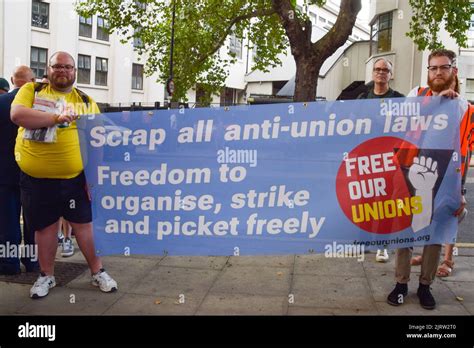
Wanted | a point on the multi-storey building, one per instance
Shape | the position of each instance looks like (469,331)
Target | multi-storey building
(112,72)
(389,21)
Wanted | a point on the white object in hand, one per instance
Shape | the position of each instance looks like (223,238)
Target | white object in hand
(423,174)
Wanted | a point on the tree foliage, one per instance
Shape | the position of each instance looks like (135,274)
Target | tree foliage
(201,29)
(428,16)
(203,26)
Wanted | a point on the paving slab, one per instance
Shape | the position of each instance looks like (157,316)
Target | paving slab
(254,280)
(242,304)
(175,281)
(413,308)
(126,271)
(321,265)
(297,310)
(264,261)
(58,302)
(13,297)
(135,304)
(198,262)
(465,292)
(332,292)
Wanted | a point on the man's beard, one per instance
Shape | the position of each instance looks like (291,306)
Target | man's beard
(441,86)
(62,82)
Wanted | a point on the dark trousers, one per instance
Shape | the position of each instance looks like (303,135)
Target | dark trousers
(10,229)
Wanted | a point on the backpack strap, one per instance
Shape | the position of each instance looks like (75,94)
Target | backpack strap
(39,86)
(84,97)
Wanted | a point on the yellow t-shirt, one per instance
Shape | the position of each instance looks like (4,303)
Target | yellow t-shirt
(58,160)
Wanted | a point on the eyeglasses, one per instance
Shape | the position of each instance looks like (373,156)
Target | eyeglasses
(58,67)
(382,70)
(443,68)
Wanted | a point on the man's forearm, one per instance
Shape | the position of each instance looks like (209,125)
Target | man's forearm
(32,119)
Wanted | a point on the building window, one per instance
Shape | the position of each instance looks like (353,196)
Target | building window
(322,20)
(470,33)
(137,42)
(38,61)
(101,69)
(381,34)
(85,26)
(84,69)
(227,96)
(102,29)
(470,89)
(137,76)
(254,52)
(40,14)
(235,46)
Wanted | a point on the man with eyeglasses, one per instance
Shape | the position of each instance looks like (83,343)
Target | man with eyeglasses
(442,73)
(379,88)
(52,174)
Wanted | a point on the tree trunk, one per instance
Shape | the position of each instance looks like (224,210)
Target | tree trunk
(309,57)
(306,79)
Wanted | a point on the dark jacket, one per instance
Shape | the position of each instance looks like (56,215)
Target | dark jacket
(9,171)
(369,93)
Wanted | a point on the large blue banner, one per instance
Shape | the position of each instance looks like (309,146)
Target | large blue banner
(274,179)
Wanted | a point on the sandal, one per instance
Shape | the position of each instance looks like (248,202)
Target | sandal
(445,269)
(416,261)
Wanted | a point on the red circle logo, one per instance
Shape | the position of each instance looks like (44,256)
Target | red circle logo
(371,186)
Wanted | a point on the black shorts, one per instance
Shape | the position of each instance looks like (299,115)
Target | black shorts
(44,201)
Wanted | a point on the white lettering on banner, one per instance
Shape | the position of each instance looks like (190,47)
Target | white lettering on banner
(101,137)
(201,228)
(377,163)
(413,123)
(156,177)
(273,130)
(136,204)
(271,199)
(290,226)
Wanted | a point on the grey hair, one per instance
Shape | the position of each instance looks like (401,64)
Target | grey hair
(386,61)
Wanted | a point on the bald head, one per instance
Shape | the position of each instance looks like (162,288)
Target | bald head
(61,54)
(21,75)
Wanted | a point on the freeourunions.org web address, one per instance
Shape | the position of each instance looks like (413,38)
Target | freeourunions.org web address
(396,240)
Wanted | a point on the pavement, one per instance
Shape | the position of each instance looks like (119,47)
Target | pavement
(245,285)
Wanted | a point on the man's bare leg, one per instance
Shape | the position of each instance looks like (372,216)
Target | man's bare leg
(47,241)
(85,240)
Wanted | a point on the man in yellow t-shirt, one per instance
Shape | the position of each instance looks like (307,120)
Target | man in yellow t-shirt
(52,179)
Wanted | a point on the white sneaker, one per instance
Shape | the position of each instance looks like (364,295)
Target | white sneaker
(382,255)
(60,236)
(104,281)
(42,286)
(68,248)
